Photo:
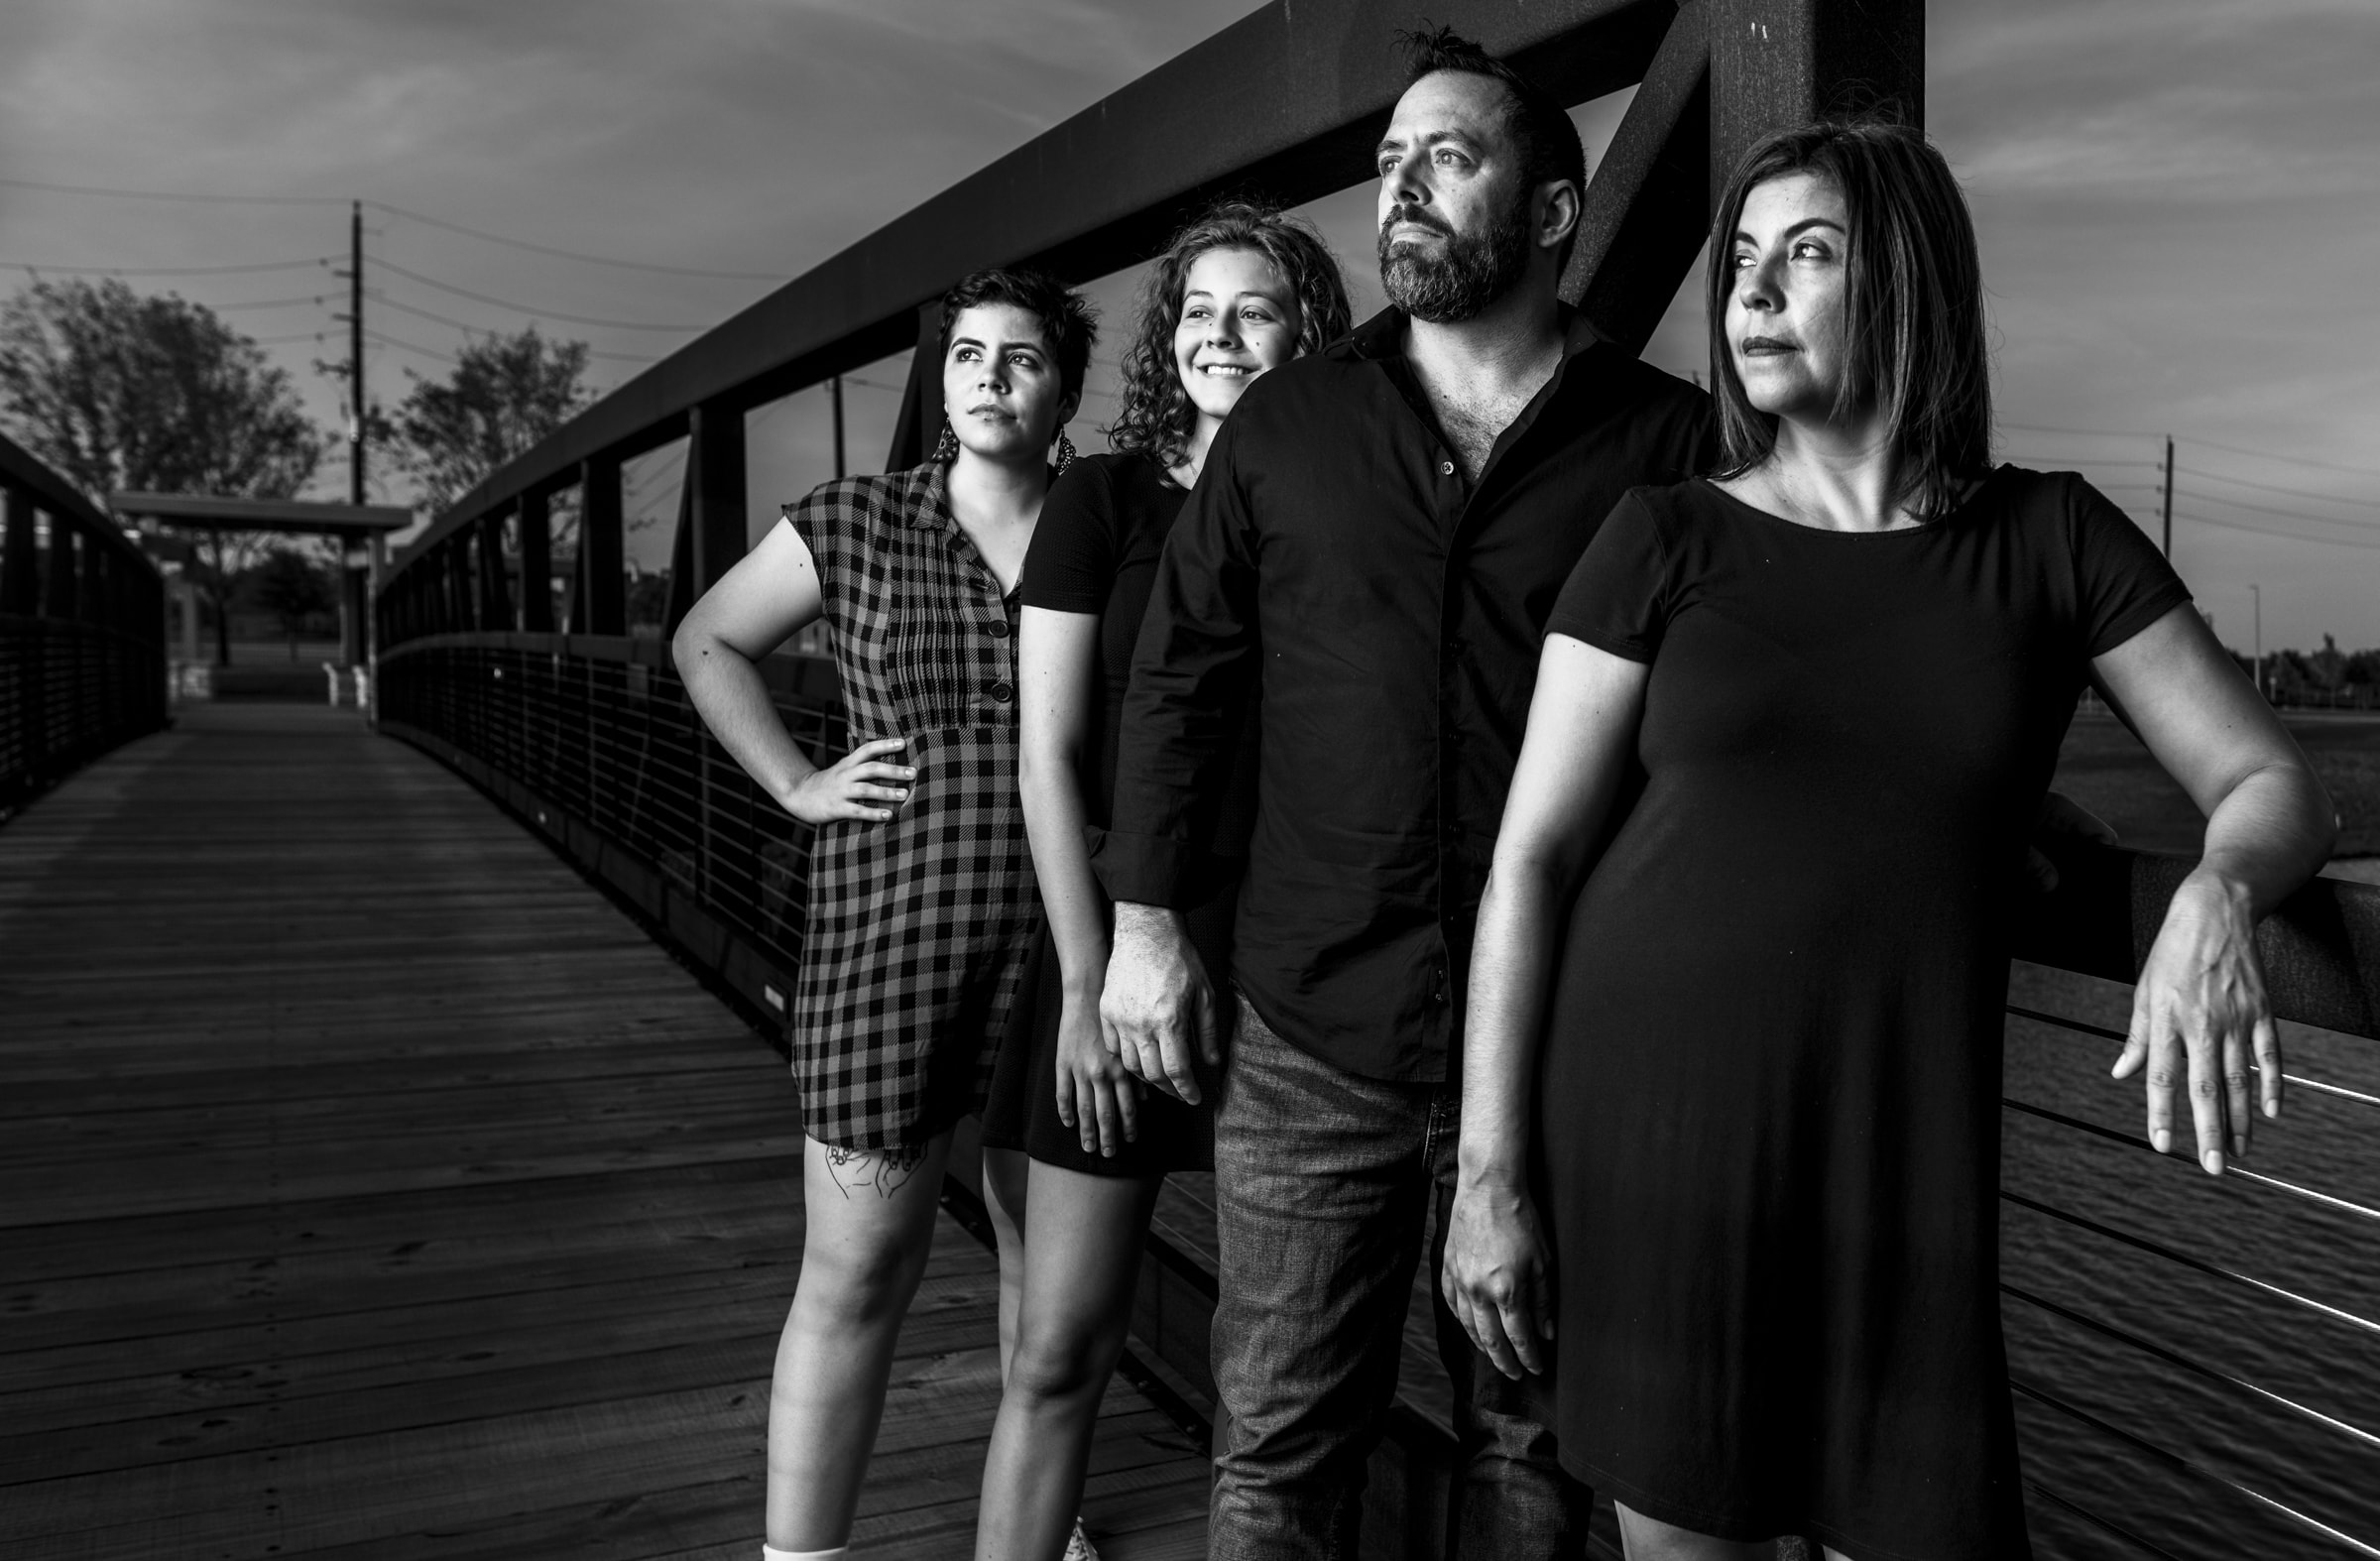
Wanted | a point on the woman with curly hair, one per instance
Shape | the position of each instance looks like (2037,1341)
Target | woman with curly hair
(923,914)
(1074,1149)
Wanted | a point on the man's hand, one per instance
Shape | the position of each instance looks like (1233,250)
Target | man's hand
(1497,1279)
(1156,1006)
(2062,815)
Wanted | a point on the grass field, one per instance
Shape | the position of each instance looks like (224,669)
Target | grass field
(2104,768)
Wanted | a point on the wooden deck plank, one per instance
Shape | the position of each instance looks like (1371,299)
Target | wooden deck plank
(371,1187)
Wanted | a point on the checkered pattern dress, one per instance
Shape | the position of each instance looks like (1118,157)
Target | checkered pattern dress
(920,926)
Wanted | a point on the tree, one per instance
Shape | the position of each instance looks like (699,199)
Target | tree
(116,390)
(505,395)
(293,588)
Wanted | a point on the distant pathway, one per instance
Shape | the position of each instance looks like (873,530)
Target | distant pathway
(372,1188)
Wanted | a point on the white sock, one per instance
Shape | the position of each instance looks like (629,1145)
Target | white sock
(770,1552)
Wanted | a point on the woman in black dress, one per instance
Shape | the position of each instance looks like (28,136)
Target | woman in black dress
(1747,1106)
(922,905)
(1239,291)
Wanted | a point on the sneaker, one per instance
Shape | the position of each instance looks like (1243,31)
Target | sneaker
(1079,1546)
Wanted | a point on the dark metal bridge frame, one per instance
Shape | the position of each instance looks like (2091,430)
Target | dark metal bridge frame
(585,733)
(83,615)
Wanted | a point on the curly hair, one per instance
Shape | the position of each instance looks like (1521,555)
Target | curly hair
(1067,320)
(1156,417)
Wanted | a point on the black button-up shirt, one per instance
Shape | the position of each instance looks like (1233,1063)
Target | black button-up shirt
(1387,615)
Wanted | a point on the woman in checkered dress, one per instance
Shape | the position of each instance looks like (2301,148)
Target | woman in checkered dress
(922,908)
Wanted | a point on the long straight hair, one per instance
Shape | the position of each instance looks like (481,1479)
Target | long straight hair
(1913,306)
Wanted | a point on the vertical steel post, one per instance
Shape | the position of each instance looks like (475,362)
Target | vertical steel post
(2168,498)
(20,555)
(57,596)
(536,563)
(495,593)
(834,389)
(602,597)
(920,426)
(1781,63)
(355,354)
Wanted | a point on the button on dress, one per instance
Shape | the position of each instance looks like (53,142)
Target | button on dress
(920,926)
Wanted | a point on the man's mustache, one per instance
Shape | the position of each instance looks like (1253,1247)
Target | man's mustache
(1419,216)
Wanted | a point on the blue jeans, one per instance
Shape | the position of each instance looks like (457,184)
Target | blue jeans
(1323,1184)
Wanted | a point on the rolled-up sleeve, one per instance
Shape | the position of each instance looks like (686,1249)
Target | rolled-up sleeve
(1182,710)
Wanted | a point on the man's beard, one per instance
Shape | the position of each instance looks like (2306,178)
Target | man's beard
(1473,270)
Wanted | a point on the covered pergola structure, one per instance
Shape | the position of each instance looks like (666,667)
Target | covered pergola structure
(361,529)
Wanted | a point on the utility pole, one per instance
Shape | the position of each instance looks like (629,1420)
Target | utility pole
(2168,498)
(355,355)
(834,388)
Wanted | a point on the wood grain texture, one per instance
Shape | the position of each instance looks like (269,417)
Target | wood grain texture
(370,1187)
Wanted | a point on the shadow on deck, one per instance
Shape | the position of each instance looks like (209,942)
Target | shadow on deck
(376,1188)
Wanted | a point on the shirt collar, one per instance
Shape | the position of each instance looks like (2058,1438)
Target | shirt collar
(925,501)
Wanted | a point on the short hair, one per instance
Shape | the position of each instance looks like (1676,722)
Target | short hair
(1156,414)
(1540,126)
(1068,324)
(1912,304)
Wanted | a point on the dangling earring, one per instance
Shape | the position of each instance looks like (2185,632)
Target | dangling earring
(1065,451)
(946,448)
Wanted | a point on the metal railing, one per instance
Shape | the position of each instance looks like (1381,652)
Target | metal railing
(82,629)
(2134,1284)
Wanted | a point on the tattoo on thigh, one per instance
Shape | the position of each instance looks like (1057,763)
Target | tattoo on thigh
(881,1171)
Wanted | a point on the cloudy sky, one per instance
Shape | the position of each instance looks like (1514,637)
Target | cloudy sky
(2176,200)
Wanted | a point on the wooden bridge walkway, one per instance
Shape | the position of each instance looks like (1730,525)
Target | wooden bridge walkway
(374,1188)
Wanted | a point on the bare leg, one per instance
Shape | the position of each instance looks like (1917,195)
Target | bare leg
(1004,1199)
(1082,1256)
(1647,1540)
(871,1226)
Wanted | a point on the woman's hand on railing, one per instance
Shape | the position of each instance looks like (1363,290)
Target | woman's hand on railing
(1096,1096)
(2199,1015)
(864,784)
(1496,1278)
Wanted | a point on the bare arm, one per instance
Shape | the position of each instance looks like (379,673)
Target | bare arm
(1581,728)
(770,593)
(2269,826)
(1057,661)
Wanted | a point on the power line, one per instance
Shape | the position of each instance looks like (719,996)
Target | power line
(265,304)
(166,271)
(215,198)
(399,342)
(2266,531)
(571,254)
(169,194)
(2266,508)
(525,309)
(2266,487)
(2288,461)
(2091,433)
(461,326)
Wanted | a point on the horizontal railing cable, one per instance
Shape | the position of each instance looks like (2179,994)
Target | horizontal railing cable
(2104,1524)
(2200,1265)
(2196,1367)
(2343,1205)
(2197,1471)
(2295,1080)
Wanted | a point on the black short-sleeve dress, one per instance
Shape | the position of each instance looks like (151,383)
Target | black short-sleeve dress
(1095,550)
(919,926)
(1768,1120)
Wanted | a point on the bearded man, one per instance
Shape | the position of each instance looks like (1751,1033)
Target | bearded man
(1370,554)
